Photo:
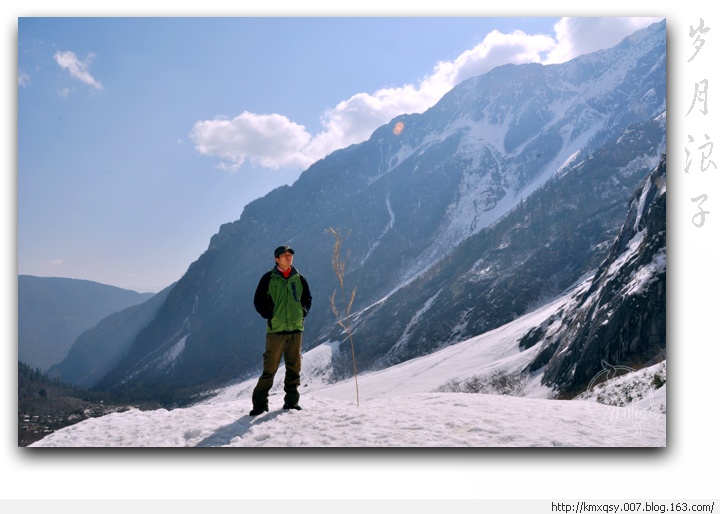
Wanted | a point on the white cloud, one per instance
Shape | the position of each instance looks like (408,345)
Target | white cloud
(273,141)
(77,68)
(23,78)
(578,36)
(495,50)
(269,140)
(353,120)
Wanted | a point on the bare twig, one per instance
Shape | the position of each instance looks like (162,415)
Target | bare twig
(345,321)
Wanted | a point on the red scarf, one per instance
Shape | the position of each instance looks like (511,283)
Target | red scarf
(285,274)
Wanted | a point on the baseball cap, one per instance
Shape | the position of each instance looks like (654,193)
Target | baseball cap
(282,249)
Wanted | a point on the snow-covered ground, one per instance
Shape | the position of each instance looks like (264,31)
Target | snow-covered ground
(402,406)
(414,420)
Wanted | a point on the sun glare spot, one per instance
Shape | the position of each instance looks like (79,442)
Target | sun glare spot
(399,126)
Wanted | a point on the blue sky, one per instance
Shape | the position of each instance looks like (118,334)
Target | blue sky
(139,137)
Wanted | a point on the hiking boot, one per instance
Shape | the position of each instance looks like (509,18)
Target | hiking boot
(258,410)
(287,406)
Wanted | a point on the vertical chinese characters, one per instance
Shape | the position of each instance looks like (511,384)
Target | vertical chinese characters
(698,154)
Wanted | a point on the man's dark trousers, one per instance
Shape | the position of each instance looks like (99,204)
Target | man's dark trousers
(288,347)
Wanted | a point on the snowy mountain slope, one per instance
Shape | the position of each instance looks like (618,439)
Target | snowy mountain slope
(399,407)
(498,349)
(531,255)
(513,128)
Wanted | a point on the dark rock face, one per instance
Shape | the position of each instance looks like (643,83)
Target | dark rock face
(621,318)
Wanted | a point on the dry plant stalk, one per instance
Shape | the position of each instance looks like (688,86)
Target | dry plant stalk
(338,264)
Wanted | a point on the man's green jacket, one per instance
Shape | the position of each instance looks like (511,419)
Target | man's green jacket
(283,302)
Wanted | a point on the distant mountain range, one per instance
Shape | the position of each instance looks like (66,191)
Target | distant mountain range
(99,349)
(53,312)
(508,192)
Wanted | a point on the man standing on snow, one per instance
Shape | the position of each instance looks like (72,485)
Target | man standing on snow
(283,298)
